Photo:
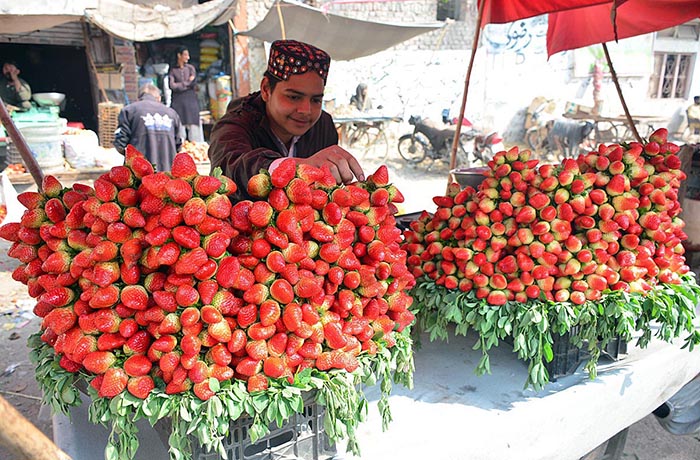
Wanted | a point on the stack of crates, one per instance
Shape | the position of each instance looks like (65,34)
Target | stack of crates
(108,122)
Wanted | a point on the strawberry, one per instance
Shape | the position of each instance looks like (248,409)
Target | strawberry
(134,297)
(269,312)
(298,191)
(260,185)
(54,209)
(140,386)
(31,200)
(278,199)
(274,367)
(183,167)
(186,237)
(205,185)
(218,206)
(98,362)
(114,382)
(260,214)
(282,291)
(51,187)
(284,173)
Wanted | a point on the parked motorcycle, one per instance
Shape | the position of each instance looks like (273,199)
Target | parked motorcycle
(435,143)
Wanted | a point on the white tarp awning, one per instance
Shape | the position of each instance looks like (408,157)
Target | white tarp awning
(146,23)
(124,19)
(342,37)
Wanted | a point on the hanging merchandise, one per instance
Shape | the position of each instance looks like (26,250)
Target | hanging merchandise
(223,95)
(208,53)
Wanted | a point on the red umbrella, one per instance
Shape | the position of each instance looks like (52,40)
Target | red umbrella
(581,27)
(578,23)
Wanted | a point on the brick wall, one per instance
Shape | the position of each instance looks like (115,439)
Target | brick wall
(125,54)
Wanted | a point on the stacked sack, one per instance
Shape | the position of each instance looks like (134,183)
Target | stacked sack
(208,53)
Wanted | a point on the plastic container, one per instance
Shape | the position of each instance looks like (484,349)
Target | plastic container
(45,142)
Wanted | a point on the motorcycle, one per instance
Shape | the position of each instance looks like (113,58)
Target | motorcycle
(435,143)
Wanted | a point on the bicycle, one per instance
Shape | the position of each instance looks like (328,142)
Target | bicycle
(367,138)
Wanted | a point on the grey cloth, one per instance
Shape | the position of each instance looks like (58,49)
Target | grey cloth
(682,412)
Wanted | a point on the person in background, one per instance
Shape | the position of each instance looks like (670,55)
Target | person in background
(361,99)
(693,113)
(283,119)
(14,91)
(182,80)
(151,127)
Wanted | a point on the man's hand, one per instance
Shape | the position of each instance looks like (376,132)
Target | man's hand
(13,72)
(343,165)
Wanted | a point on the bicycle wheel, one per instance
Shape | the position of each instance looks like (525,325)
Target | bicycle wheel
(532,137)
(359,141)
(411,149)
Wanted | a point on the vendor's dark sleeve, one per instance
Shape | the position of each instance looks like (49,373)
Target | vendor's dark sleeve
(232,149)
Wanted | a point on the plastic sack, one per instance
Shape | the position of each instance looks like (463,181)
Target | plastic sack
(79,148)
(108,158)
(11,209)
(681,414)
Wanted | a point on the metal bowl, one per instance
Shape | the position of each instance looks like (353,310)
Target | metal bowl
(48,99)
(469,176)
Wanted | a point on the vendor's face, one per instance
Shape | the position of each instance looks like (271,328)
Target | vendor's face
(294,106)
(184,56)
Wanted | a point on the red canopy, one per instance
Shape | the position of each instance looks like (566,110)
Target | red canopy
(503,11)
(581,27)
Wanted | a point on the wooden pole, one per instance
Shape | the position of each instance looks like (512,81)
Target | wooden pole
(17,139)
(630,122)
(22,439)
(475,44)
(232,58)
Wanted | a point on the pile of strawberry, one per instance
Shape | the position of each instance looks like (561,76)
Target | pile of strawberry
(156,280)
(605,221)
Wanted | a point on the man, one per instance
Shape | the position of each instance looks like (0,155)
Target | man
(693,113)
(14,91)
(283,119)
(151,127)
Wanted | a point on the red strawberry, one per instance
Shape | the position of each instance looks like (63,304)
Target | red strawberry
(31,200)
(98,362)
(179,190)
(257,382)
(194,211)
(186,237)
(260,214)
(259,186)
(278,199)
(114,382)
(140,386)
(218,206)
(284,173)
(51,187)
(55,210)
(298,191)
(134,297)
(228,272)
(282,291)
(274,367)
(206,185)
(183,167)
(380,176)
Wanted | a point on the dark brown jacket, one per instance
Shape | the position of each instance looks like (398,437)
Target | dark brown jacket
(242,142)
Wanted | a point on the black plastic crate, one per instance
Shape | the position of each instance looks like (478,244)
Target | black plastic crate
(566,358)
(302,437)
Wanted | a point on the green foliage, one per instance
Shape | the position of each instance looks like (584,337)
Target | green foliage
(533,327)
(189,419)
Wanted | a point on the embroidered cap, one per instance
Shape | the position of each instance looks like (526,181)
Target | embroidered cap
(290,57)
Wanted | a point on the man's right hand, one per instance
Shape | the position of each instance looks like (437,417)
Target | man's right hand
(343,165)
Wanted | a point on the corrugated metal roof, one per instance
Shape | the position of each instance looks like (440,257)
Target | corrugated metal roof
(68,34)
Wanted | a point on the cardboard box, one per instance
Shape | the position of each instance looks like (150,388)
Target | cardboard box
(111,80)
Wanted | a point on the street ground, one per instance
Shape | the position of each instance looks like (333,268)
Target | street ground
(646,440)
